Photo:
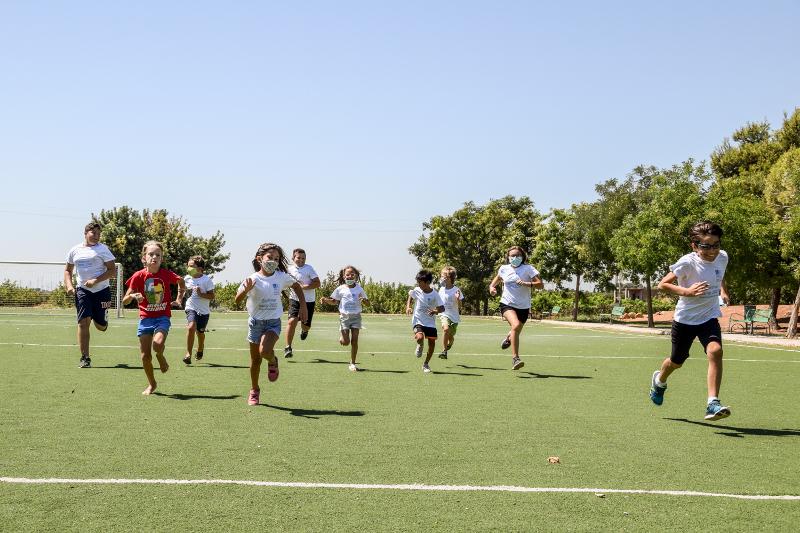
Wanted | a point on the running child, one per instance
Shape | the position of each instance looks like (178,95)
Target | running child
(518,278)
(200,289)
(351,297)
(150,287)
(263,292)
(697,279)
(427,305)
(451,296)
(308,279)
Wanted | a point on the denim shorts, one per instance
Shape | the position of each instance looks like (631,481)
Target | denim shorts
(258,328)
(149,326)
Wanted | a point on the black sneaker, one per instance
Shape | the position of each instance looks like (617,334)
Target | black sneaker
(506,343)
(443,355)
(86,362)
(187,359)
(198,355)
(287,352)
(303,335)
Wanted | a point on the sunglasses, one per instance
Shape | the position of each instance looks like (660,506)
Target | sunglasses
(704,246)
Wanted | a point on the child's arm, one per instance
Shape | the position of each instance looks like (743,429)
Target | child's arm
(108,274)
(181,291)
(246,286)
(438,309)
(668,283)
(723,291)
(68,279)
(298,290)
(315,284)
(130,295)
(363,298)
(408,305)
(492,286)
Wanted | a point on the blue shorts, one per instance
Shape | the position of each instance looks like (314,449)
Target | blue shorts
(93,305)
(149,326)
(200,320)
(258,328)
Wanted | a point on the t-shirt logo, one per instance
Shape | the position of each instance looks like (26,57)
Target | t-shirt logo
(154,291)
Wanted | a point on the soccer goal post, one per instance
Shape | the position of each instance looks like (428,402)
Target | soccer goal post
(38,286)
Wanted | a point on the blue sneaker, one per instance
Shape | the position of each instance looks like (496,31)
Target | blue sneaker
(656,392)
(716,411)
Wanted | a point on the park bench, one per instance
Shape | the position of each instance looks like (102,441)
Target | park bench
(616,314)
(553,312)
(762,318)
(743,321)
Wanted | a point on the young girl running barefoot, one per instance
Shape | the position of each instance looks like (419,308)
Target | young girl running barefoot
(151,288)
(263,291)
(518,278)
(350,297)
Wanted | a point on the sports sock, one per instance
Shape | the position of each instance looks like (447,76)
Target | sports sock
(712,398)
(660,383)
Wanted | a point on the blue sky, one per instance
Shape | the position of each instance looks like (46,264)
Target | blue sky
(340,127)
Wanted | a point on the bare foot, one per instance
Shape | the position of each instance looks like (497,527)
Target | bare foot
(162,363)
(149,390)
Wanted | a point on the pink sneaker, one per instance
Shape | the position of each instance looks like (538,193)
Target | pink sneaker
(272,371)
(254,397)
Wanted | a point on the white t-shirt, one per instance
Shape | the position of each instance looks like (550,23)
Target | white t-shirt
(690,269)
(450,305)
(202,306)
(349,298)
(515,295)
(90,262)
(303,275)
(425,301)
(264,299)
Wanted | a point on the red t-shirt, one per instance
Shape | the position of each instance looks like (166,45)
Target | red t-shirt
(156,291)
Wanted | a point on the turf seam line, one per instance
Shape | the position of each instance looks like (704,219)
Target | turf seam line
(407,487)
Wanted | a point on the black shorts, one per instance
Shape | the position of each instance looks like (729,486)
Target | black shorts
(683,336)
(522,314)
(201,321)
(294,310)
(430,333)
(93,305)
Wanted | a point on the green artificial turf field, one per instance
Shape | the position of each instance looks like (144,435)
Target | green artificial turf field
(472,423)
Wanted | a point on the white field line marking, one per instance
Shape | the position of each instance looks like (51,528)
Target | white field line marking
(375,352)
(376,486)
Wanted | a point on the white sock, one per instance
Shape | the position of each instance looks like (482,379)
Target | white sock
(712,398)
(660,383)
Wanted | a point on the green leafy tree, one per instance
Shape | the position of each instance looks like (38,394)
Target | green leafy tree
(474,240)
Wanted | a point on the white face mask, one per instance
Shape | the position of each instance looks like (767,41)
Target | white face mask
(350,282)
(269,266)
(515,261)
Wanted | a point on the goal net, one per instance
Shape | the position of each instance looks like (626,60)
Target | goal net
(38,287)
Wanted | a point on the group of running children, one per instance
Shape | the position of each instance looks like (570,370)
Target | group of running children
(696,278)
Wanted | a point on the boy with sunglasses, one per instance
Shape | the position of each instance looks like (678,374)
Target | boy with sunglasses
(699,276)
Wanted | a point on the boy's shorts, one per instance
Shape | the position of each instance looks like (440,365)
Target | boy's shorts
(258,328)
(348,322)
(522,314)
(201,321)
(448,324)
(149,326)
(429,332)
(683,336)
(93,305)
(294,310)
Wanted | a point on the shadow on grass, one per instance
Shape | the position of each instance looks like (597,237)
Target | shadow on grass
(313,413)
(479,367)
(733,431)
(444,372)
(530,375)
(217,365)
(119,366)
(196,396)
(383,371)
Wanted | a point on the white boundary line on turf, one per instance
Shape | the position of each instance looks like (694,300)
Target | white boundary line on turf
(374,352)
(377,486)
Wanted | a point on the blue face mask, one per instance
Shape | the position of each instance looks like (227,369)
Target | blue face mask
(515,261)
(350,282)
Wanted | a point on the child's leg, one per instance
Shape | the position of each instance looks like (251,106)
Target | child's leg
(145,343)
(201,340)
(191,329)
(255,365)
(431,346)
(267,347)
(159,343)
(344,337)
(419,338)
(516,327)
(83,335)
(667,368)
(354,345)
(714,354)
(291,326)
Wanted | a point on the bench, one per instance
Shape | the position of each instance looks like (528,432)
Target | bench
(616,314)
(743,321)
(553,312)
(762,318)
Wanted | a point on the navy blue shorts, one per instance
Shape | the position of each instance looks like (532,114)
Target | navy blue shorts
(683,336)
(429,332)
(201,321)
(93,305)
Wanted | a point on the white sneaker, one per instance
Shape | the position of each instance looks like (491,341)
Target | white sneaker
(426,369)
(418,351)
(353,367)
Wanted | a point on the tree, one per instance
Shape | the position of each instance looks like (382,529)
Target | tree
(474,240)
(649,240)
(125,231)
